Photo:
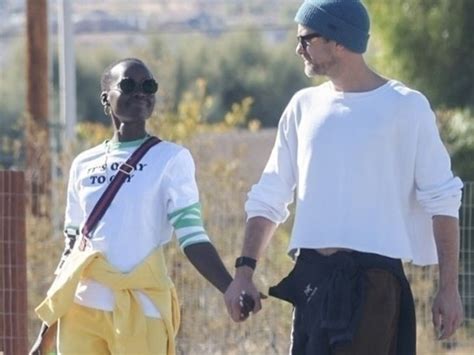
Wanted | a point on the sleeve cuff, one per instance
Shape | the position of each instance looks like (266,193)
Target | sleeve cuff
(268,215)
(443,200)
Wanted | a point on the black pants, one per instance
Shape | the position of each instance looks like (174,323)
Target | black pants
(349,303)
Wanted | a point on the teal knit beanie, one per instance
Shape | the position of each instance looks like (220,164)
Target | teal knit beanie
(344,21)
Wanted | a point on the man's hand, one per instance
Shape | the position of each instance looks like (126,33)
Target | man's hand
(447,308)
(258,232)
(447,312)
(239,296)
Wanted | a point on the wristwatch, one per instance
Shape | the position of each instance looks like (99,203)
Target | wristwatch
(246,261)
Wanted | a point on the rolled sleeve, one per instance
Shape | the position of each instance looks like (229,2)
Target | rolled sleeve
(437,189)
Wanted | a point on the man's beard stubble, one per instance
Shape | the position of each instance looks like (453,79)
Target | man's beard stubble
(321,69)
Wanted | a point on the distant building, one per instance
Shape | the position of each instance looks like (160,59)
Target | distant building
(101,21)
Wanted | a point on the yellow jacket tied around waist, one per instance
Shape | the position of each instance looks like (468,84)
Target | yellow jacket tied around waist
(150,277)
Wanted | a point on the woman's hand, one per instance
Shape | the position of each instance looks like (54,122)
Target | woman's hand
(45,342)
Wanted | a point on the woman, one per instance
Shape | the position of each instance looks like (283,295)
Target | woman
(120,299)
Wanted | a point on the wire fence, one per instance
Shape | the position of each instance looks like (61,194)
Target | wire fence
(268,332)
(13,288)
(206,328)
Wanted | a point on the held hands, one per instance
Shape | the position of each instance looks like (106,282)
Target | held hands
(447,312)
(242,297)
(247,304)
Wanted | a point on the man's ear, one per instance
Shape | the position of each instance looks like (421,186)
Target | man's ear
(104,98)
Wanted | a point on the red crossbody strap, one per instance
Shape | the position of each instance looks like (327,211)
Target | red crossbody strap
(123,172)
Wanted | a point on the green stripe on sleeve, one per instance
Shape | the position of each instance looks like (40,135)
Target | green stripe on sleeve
(188,222)
(196,205)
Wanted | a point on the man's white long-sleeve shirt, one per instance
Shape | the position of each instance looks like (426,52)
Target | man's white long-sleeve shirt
(369,170)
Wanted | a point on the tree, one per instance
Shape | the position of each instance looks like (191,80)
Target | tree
(428,44)
(242,65)
(89,67)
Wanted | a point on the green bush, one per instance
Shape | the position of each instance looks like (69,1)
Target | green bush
(427,44)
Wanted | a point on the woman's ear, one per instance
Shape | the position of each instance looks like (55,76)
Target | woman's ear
(104,98)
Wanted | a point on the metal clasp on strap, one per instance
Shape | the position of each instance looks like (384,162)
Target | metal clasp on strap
(83,243)
(126,168)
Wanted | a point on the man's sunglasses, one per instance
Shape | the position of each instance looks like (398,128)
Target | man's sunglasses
(128,85)
(306,39)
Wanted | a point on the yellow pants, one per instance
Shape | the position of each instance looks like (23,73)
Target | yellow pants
(84,330)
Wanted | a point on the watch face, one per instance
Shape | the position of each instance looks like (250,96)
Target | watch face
(246,261)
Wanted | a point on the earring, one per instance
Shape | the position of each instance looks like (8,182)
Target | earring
(107,109)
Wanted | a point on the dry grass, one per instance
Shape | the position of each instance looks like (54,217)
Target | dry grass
(227,165)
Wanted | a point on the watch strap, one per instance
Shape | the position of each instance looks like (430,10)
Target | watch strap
(246,261)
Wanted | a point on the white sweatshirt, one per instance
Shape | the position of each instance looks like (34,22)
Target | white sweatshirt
(161,191)
(369,170)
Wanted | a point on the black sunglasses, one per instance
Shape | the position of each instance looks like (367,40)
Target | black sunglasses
(128,85)
(306,39)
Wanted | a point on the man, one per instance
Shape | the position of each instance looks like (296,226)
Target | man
(373,186)
(112,293)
